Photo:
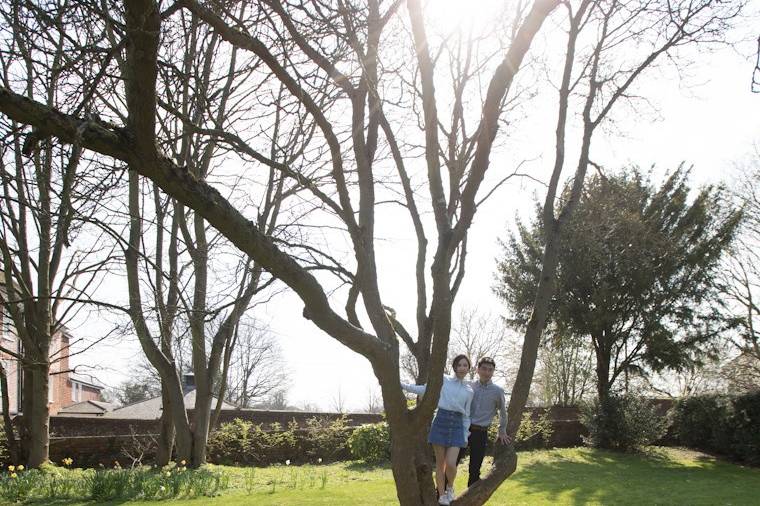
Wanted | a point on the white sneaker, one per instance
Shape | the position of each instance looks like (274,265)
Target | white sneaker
(450,492)
(445,499)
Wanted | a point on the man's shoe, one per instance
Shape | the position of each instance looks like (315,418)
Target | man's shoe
(444,500)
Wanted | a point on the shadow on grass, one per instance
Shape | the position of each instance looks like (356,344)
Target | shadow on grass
(625,478)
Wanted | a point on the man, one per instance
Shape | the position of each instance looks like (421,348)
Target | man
(487,400)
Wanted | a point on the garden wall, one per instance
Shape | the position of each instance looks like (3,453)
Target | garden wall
(100,440)
(91,441)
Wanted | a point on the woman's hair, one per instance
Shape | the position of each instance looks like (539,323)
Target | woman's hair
(458,358)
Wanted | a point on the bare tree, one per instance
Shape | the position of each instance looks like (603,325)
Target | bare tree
(374,402)
(756,71)
(52,260)
(709,377)
(257,370)
(566,371)
(197,99)
(279,401)
(303,45)
(478,335)
(741,275)
(338,403)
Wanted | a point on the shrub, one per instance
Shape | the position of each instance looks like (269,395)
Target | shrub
(745,444)
(326,439)
(694,421)
(622,422)
(241,442)
(534,434)
(720,424)
(232,443)
(279,444)
(371,443)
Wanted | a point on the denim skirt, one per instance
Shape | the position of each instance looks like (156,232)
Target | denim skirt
(447,429)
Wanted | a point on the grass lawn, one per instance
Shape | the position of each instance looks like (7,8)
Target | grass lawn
(665,476)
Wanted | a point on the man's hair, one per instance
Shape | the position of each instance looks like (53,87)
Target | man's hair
(487,360)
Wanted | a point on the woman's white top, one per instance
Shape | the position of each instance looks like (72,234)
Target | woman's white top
(456,395)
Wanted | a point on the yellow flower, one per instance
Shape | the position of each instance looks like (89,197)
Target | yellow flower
(14,475)
(182,463)
(20,467)
(11,468)
(168,473)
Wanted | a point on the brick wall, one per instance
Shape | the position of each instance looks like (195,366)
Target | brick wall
(90,393)
(94,440)
(76,426)
(267,418)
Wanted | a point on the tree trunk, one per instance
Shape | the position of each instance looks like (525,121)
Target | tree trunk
(201,421)
(166,435)
(602,371)
(424,462)
(411,465)
(36,419)
(10,435)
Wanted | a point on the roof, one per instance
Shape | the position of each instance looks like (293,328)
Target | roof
(151,408)
(88,380)
(96,408)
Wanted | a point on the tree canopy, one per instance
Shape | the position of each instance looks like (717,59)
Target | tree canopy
(636,272)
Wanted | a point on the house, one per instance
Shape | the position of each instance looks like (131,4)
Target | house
(64,388)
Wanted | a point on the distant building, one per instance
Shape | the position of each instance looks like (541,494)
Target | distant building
(151,409)
(87,408)
(64,388)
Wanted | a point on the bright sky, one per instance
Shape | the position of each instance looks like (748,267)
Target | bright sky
(710,125)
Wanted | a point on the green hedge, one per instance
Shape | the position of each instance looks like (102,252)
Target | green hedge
(622,422)
(371,443)
(532,434)
(243,443)
(728,425)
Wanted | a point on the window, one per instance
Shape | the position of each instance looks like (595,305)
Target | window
(7,326)
(76,391)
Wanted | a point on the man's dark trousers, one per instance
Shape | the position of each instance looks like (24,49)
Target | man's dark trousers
(477,445)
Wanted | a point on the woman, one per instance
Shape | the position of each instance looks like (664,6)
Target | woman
(451,424)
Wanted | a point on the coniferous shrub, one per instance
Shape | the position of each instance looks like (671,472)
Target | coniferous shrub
(622,422)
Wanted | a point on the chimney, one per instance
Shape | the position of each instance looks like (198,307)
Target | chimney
(188,382)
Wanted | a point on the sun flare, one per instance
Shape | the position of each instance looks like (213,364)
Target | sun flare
(448,16)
